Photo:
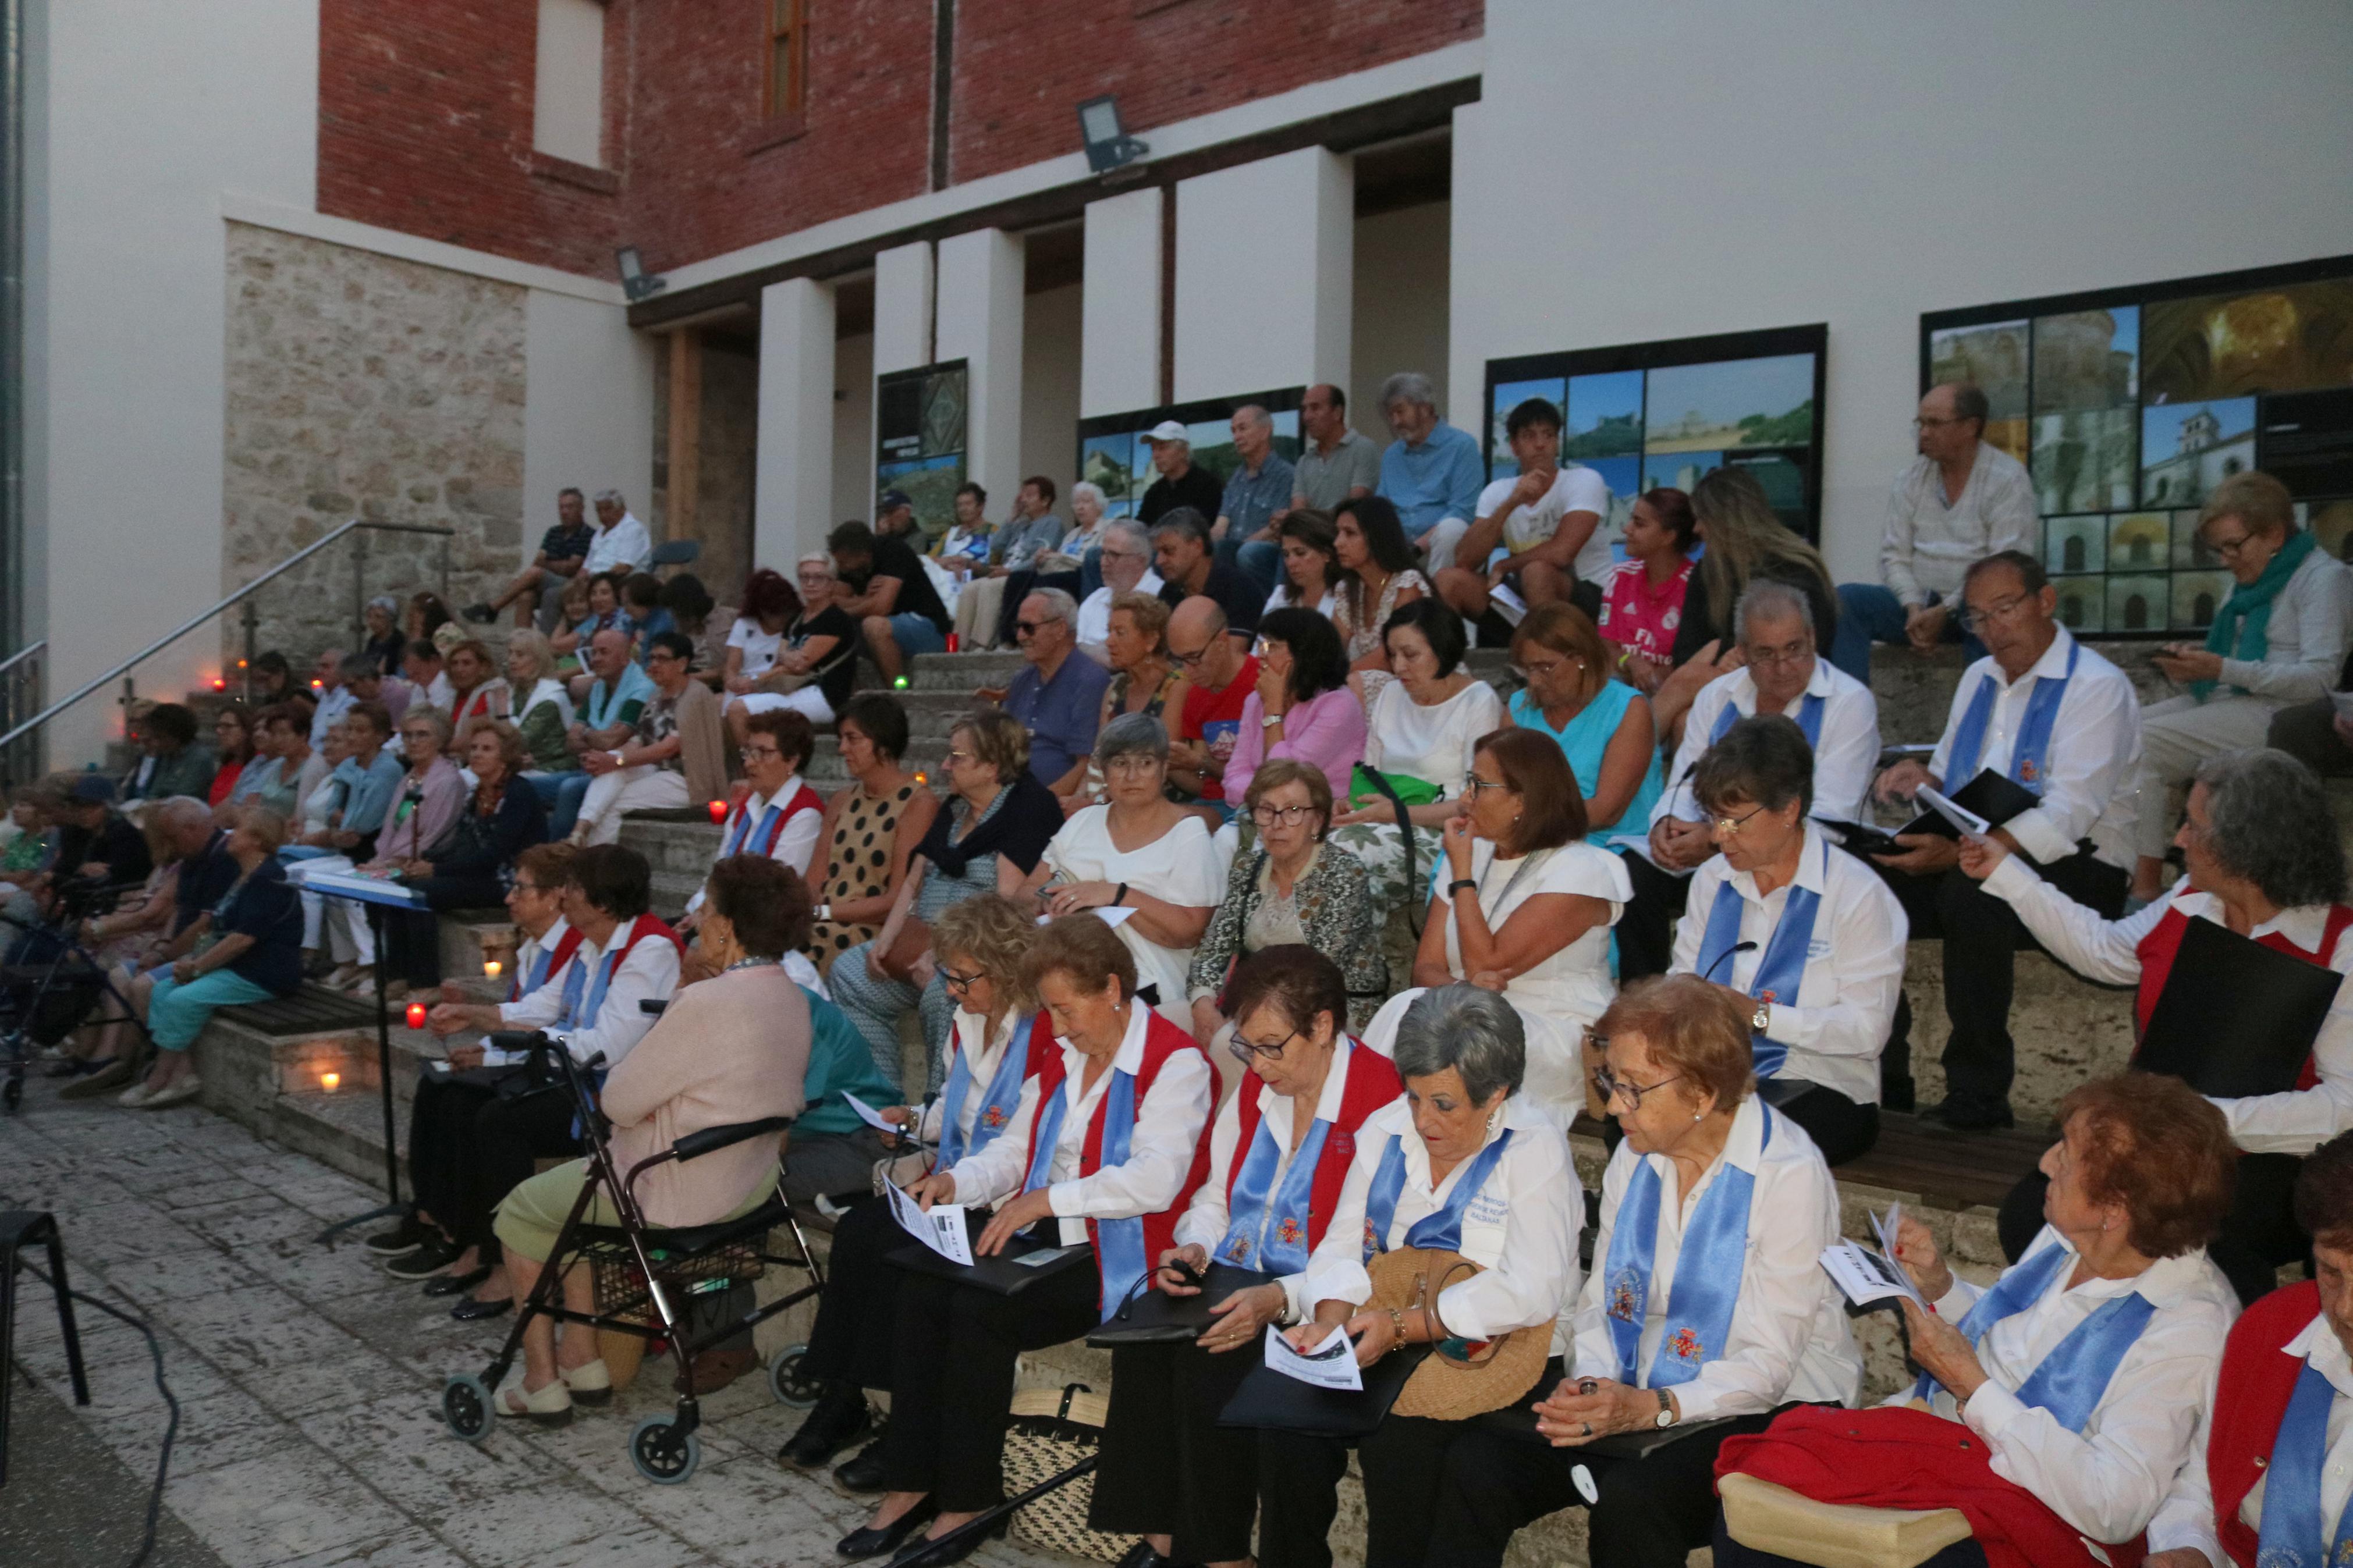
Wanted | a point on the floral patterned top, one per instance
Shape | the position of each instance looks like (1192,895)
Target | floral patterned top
(1336,908)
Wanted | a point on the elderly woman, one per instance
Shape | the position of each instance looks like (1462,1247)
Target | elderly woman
(2265,861)
(1376,578)
(731,1049)
(870,828)
(1106,1145)
(810,663)
(1143,680)
(422,817)
(2083,1376)
(1310,564)
(1706,1303)
(542,708)
(1526,909)
(1081,545)
(233,752)
(477,692)
(251,953)
(471,869)
(989,838)
(1288,888)
(1458,1164)
(1138,851)
(998,1041)
(384,644)
(1803,935)
(1301,707)
(1602,726)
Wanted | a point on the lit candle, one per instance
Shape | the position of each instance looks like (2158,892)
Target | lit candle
(330,1081)
(219,684)
(718,812)
(923,778)
(318,686)
(490,967)
(417,1014)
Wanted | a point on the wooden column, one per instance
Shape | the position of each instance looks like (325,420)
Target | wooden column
(685,431)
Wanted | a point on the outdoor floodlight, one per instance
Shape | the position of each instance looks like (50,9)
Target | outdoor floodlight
(1108,146)
(637,283)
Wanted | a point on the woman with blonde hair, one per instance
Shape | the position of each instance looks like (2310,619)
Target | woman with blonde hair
(471,869)
(1144,678)
(542,708)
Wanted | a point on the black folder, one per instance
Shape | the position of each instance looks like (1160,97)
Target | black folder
(2235,1017)
(1154,1317)
(1995,796)
(1023,1262)
(1269,1400)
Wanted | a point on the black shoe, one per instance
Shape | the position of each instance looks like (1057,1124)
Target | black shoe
(862,1476)
(937,1556)
(1897,1098)
(480,615)
(1141,1555)
(454,1284)
(841,1418)
(405,1237)
(427,1260)
(868,1540)
(1972,1115)
(471,1310)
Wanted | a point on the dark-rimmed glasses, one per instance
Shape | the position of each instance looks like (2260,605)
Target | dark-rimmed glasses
(1612,1088)
(1245,1049)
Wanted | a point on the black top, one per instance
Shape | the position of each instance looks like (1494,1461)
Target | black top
(1703,624)
(560,544)
(1232,589)
(486,846)
(266,908)
(892,558)
(386,652)
(1023,824)
(116,845)
(840,668)
(203,877)
(1198,488)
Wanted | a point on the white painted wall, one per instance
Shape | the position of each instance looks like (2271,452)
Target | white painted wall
(1857,163)
(588,406)
(1401,308)
(979,322)
(1051,372)
(853,430)
(793,487)
(903,307)
(1264,255)
(1119,365)
(567,105)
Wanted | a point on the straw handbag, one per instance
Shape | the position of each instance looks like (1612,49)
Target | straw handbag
(1052,1430)
(1769,1518)
(1456,1382)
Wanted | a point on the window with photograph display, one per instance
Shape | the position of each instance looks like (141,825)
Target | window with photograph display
(1644,416)
(1115,458)
(2129,405)
(919,424)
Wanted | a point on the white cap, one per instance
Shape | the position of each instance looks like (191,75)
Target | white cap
(1169,430)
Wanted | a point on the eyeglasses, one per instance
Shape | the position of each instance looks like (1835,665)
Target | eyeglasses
(1788,653)
(956,982)
(1190,660)
(954,756)
(524,887)
(1245,1049)
(1473,784)
(1285,815)
(2229,549)
(1936,424)
(659,656)
(1999,610)
(767,753)
(1729,826)
(1029,628)
(1612,1088)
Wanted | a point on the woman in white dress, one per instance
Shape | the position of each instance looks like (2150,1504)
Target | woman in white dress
(1377,576)
(1524,908)
(1139,851)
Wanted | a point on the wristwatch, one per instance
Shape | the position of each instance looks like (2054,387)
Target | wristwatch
(1666,1409)
(1761,1017)
(1269,721)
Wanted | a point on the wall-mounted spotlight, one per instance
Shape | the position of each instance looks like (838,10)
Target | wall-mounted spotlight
(1108,146)
(637,283)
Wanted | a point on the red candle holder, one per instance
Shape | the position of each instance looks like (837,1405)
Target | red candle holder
(718,812)
(417,1011)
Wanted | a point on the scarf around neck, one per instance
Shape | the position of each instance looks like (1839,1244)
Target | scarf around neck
(2242,629)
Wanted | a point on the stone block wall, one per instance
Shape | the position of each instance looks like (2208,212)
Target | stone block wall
(361,385)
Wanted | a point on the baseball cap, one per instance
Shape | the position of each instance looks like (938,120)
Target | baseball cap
(95,788)
(1169,430)
(891,501)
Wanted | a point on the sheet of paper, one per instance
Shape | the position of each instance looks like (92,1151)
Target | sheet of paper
(1960,816)
(1110,916)
(941,1228)
(868,1114)
(1331,1364)
(1865,1275)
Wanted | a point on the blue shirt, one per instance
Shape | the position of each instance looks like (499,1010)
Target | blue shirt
(609,704)
(652,626)
(1250,501)
(1017,544)
(369,792)
(1440,478)
(1060,714)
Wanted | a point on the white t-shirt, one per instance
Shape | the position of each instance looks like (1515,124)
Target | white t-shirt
(1433,743)
(759,647)
(1183,867)
(1574,489)
(1094,616)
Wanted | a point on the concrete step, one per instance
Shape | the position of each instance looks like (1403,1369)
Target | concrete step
(1916,691)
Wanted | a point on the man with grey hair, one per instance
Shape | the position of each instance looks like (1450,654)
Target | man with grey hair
(562,549)
(621,540)
(1057,697)
(1433,473)
(1182,482)
(1125,558)
(1255,492)
(335,699)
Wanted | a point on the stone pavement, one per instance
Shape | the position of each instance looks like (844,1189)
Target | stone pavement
(310,1382)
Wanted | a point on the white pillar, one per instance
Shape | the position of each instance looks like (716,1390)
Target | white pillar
(1119,323)
(1265,269)
(903,307)
(792,489)
(979,322)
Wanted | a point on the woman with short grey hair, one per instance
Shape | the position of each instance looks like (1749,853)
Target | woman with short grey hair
(2263,861)
(1460,1164)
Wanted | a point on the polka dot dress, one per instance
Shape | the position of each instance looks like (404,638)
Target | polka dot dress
(860,860)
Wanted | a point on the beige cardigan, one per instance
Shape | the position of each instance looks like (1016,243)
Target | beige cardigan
(732,1048)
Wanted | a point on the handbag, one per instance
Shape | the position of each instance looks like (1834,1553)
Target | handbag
(1458,1380)
(1053,1429)
(1401,792)
(914,941)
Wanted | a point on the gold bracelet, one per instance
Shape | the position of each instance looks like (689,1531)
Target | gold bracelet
(1396,1326)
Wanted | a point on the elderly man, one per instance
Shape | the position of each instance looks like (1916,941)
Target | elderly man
(1219,678)
(621,540)
(171,761)
(1781,673)
(1188,568)
(2280,638)
(894,517)
(428,681)
(1255,492)
(889,595)
(648,771)
(1433,473)
(562,549)
(1181,483)
(2048,713)
(1540,533)
(1126,559)
(335,699)
(1335,463)
(1057,695)
(1960,502)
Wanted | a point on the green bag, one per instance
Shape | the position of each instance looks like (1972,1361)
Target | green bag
(1367,787)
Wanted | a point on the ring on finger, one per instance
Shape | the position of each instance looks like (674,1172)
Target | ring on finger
(1588,1430)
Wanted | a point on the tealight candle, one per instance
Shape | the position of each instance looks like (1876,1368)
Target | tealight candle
(490,967)
(718,811)
(330,1081)
(417,1014)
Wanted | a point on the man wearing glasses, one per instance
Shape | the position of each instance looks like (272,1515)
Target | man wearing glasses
(646,772)
(2048,713)
(1219,678)
(1960,500)
(1126,564)
(1058,698)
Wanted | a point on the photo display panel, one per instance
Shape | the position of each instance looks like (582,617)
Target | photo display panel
(1644,416)
(1115,458)
(2129,405)
(919,439)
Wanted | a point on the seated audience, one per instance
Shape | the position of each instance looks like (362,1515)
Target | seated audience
(145,936)
(1780,673)
(94,842)
(966,543)
(2315,733)
(424,670)
(233,752)
(602,612)
(384,644)
(170,761)
(1189,569)
(1458,1164)
(1540,533)
(870,828)
(1334,463)
(1642,595)
(1138,851)
(422,618)
(2280,637)
(1288,888)
(1057,695)
(1433,473)
(655,770)
(562,549)
(812,661)
(1280,1152)
(641,598)
(1021,554)
(468,867)
(289,770)
(1310,564)
(2266,862)
(830,1154)
(359,798)
(1960,500)
(419,826)
(393,691)
(1377,579)
(1801,933)
(541,706)
(780,817)
(621,543)
(2056,719)
(1143,680)
(273,680)
(1299,708)
(1181,484)
(260,763)
(477,692)
(334,699)
(986,837)
(1220,678)
(734,1048)
(693,613)
(758,635)
(124,944)
(889,595)
(1258,487)
(1119,1081)
(1125,562)
(1601,725)
(2083,1376)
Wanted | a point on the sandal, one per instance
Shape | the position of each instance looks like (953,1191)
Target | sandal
(551,1407)
(590,1384)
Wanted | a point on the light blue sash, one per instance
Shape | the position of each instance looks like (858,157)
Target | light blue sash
(1810,720)
(2034,742)
(1269,1231)
(1781,970)
(1440,1229)
(1708,1273)
(996,1105)
(1119,1243)
(535,977)
(2071,1379)
(742,828)
(2292,1526)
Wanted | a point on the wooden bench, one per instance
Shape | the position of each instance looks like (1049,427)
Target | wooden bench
(1948,1169)
(314,1010)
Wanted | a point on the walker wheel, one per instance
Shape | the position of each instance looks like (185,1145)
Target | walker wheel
(789,1382)
(466,1406)
(660,1454)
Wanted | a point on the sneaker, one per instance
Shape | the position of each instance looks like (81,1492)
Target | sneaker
(426,1261)
(480,615)
(405,1236)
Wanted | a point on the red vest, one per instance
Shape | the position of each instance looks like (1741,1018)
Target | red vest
(638,930)
(1162,1041)
(803,798)
(1372,1083)
(2164,940)
(2256,1385)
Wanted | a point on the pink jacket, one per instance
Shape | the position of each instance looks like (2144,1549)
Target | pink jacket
(1327,731)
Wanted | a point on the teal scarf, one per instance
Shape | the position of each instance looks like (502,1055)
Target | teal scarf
(2241,630)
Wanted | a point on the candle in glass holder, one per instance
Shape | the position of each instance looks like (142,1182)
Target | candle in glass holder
(491,968)
(330,1081)
(718,812)
(417,1011)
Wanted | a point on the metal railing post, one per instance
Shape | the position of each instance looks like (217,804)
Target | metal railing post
(252,628)
(359,590)
(445,569)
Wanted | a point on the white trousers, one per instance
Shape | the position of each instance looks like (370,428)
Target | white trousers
(1436,546)
(643,788)
(978,608)
(808,702)
(2176,736)
(342,921)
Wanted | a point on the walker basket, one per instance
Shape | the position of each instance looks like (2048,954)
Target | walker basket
(621,1289)
(1052,1430)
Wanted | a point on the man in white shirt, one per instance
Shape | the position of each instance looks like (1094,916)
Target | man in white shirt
(1126,558)
(335,699)
(2048,713)
(1538,534)
(1781,673)
(1960,500)
(621,540)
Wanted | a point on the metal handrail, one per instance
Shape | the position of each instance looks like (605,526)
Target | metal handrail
(21,655)
(168,639)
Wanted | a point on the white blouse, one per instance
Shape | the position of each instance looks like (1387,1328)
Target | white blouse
(1183,867)
(547,689)
(985,1054)
(1434,743)
(1574,984)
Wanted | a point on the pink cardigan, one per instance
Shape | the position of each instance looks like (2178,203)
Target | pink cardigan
(1327,730)
(421,832)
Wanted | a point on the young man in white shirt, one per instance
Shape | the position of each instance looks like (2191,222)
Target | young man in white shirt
(1539,533)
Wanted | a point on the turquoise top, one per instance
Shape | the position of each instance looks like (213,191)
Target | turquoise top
(1587,738)
(838,1060)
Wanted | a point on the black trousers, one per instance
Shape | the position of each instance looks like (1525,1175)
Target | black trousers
(1168,1468)
(1840,1128)
(2307,732)
(1404,1460)
(1646,930)
(2259,1234)
(1730,1553)
(509,1135)
(1982,936)
(441,1145)
(858,1316)
(413,937)
(952,1379)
